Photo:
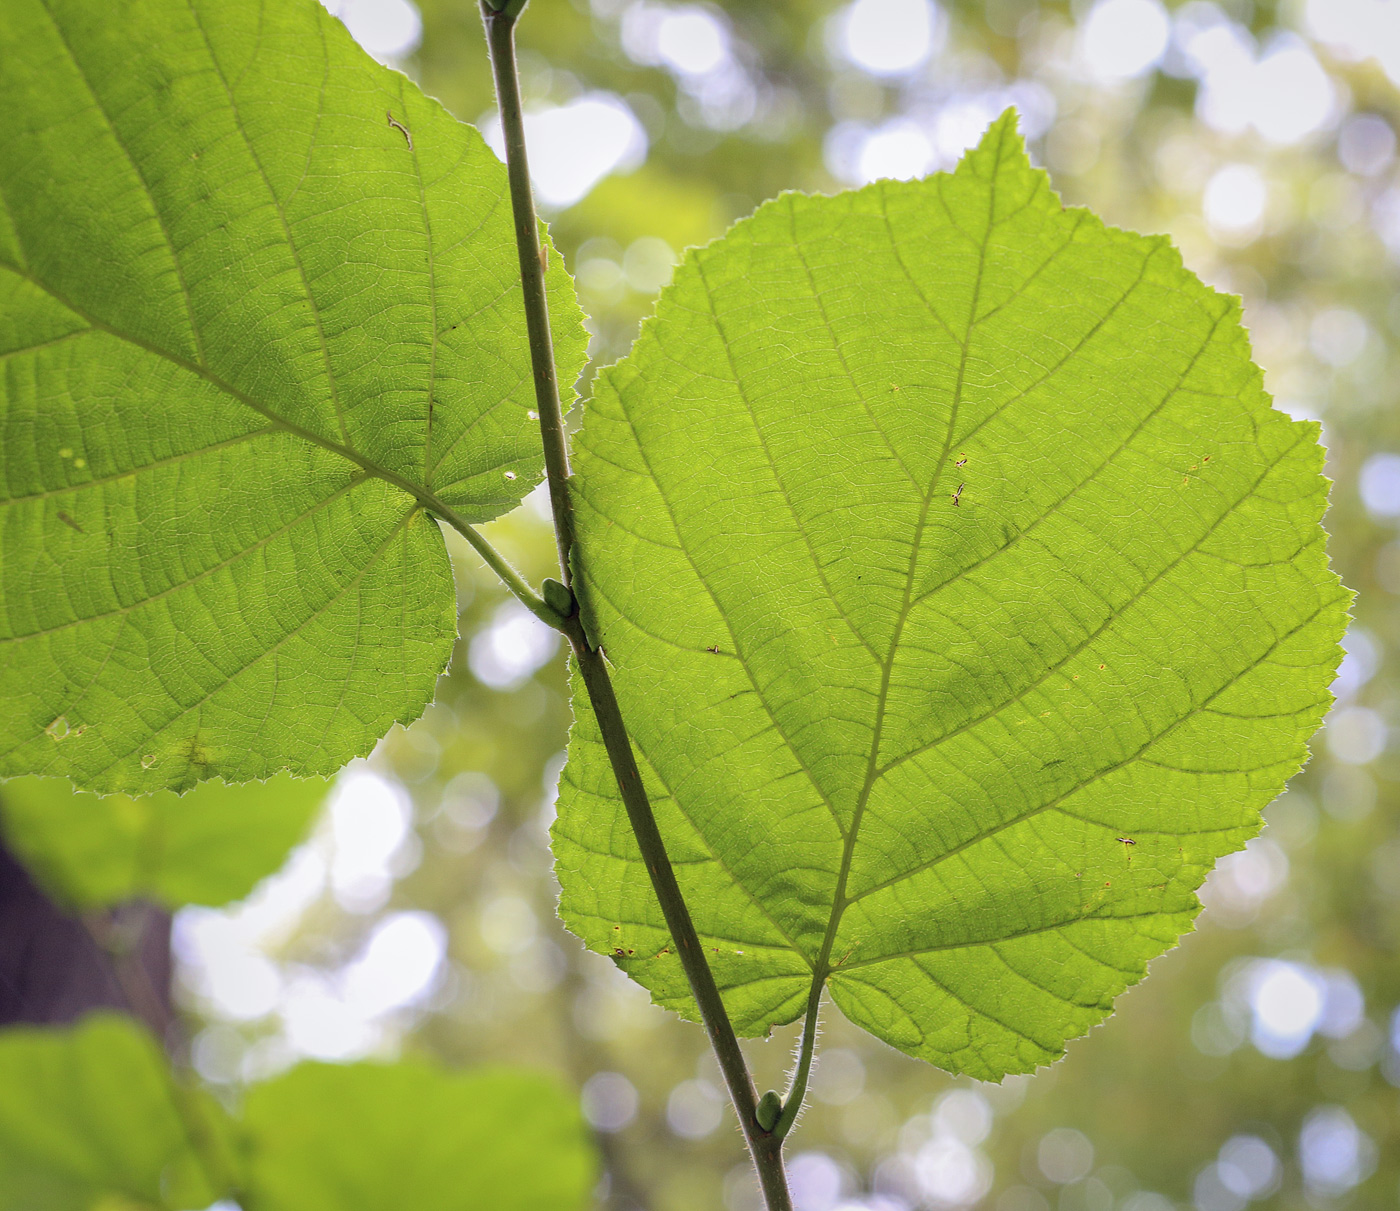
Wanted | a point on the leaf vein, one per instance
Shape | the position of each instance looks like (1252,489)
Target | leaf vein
(281,213)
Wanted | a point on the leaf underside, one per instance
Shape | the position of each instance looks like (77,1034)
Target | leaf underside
(259,315)
(966,600)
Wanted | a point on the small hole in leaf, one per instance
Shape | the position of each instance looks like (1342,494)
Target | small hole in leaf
(510,474)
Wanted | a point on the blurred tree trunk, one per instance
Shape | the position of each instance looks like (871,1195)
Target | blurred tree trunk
(55,967)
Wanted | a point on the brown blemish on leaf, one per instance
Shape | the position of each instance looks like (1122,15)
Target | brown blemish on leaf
(401,128)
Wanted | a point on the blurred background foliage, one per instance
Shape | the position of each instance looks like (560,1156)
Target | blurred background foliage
(1259,1065)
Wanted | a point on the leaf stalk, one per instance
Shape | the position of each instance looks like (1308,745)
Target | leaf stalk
(797,1089)
(764,1146)
(498,563)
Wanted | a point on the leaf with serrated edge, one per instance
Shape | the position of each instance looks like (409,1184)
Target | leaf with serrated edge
(260,315)
(966,600)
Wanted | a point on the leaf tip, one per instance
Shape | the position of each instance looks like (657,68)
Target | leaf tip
(1002,140)
(1007,123)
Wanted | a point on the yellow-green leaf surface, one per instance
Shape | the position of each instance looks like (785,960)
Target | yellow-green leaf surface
(369,1137)
(209,846)
(259,314)
(88,1113)
(966,600)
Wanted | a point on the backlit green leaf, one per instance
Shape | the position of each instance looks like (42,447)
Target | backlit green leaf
(209,846)
(259,314)
(90,1112)
(370,1136)
(966,600)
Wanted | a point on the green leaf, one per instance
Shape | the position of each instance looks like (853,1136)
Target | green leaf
(260,316)
(94,1114)
(366,1136)
(91,1112)
(966,599)
(208,847)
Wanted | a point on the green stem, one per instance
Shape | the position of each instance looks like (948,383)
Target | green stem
(500,35)
(764,1146)
(497,562)
(797,1089)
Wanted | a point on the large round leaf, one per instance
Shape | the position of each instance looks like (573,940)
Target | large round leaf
(966,600)
(259,316)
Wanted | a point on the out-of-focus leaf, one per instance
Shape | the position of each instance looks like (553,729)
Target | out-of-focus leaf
(209,846)
(369,1136)
(966,600)
(90,1118)
(88,1114)
(260,315)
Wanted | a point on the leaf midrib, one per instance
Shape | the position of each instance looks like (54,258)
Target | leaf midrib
(277,206)
(821,969)
(185,297)
(432,295)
